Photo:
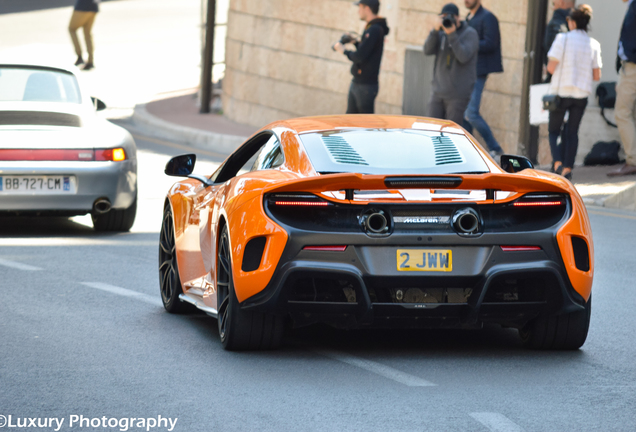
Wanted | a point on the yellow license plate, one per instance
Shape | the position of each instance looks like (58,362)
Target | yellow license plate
(427,260)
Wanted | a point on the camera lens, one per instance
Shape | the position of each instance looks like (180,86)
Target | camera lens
(448,21)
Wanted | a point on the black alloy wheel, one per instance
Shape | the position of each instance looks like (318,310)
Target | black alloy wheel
(241,329)
(169,280)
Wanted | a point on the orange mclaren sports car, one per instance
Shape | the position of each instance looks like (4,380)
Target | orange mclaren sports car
(364,221)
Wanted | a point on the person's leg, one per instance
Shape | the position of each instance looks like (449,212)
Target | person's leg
(474,117)
(436,107)
(88,36)
(455,109)
(625,110)
(366,98)
(576,109)
(77,21)
(554,130)
(352,105)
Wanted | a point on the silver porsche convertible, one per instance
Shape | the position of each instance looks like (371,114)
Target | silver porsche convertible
(57,156)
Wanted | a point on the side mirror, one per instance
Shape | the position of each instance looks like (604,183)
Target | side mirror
(181,166)
(514,164)
(98,103)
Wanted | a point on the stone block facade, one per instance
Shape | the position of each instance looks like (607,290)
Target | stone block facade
(279,62)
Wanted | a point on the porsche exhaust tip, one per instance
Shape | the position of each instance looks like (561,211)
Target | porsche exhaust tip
(466,221)
(101,206)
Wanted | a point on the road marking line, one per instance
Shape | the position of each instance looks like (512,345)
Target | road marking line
(600,213)
(377,368)
(496,422)
(124,292)
(18,265)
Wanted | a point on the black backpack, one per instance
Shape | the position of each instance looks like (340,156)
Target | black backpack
(606,94)
(603,153)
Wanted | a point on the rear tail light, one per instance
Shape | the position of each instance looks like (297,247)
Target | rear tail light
(326,248)
(113,155)
(540,201)
(67,155)
(296,200)
(519,248)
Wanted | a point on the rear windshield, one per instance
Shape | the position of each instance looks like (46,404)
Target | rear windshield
(392,151)
(37,85)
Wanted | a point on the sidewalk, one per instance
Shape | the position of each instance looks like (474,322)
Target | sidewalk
(176,116)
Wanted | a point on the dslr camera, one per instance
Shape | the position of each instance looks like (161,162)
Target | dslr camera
(448,21)
(345,39)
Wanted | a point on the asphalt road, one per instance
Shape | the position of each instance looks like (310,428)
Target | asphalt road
(83,333)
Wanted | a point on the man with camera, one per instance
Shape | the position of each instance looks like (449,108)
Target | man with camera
(455,46)
(366,58)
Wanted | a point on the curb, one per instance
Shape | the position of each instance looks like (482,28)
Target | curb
(625,200)
(158,128)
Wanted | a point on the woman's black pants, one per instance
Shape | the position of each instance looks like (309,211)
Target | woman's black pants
(566,152)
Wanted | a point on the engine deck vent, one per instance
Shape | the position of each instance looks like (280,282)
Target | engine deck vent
(446,152)
(342,152)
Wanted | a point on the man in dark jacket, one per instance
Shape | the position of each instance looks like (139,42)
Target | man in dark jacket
(625,108)
(488,61)
(83,16)
(558,24)
(366,59)
(455,49)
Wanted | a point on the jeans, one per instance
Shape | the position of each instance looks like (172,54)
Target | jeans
(362,98)
(566,152)
(475,120)
(447,109)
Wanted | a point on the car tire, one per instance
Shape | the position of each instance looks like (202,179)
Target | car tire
(558,332)
(116,220)
(241,329)
(169,280)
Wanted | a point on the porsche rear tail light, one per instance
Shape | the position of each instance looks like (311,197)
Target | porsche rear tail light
(520,248)
(113,155)
(70,155)
(326,248)
(47,154)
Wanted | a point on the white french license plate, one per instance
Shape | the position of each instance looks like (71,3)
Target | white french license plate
(38,185)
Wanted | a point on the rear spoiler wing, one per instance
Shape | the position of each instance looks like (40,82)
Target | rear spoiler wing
(523,182)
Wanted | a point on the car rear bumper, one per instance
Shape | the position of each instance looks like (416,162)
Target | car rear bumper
(509,288)
(115,181)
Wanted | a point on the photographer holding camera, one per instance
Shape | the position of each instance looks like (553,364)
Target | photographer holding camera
(455,46)
(366,59)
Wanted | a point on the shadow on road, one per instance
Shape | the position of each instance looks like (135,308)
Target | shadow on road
(17,6)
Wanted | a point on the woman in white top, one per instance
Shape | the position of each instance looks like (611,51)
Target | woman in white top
(574,61)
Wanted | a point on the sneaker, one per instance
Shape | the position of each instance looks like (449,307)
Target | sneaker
(88,66)
(79,61)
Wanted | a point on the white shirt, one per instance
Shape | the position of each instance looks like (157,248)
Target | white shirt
(578,55)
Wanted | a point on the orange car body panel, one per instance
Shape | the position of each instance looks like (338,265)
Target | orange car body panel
(239,202)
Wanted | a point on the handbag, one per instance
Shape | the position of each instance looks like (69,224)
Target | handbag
(552,102)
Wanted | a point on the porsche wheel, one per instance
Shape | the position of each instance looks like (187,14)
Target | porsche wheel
(561,332)
(240,329)
(116,220)
(169,280)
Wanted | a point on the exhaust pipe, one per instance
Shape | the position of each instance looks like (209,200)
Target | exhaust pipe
(101,206)
(376,223)
(466,221)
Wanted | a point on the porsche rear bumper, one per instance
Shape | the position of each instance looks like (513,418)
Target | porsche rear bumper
(116,181)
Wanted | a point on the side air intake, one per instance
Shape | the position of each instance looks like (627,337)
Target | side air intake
(581,254)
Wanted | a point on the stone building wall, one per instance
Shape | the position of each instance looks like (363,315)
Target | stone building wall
(279,62)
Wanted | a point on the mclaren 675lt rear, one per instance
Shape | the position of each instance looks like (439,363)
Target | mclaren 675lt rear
(366,221)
